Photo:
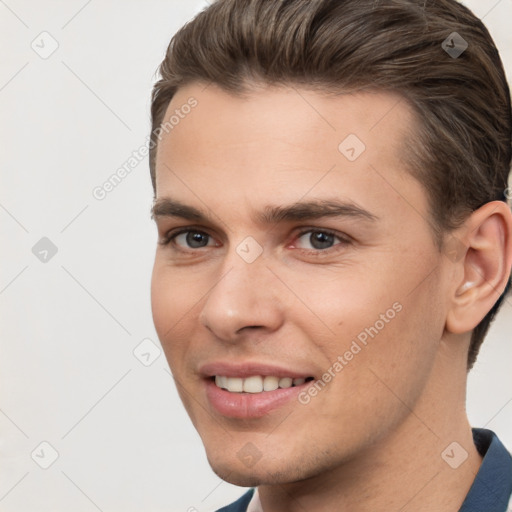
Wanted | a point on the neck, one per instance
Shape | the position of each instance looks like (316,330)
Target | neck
(404,471)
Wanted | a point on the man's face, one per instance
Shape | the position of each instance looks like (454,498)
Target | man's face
(258,286)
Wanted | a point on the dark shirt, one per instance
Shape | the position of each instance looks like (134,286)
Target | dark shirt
(491,489)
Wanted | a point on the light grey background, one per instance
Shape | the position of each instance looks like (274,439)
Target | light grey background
(69,326)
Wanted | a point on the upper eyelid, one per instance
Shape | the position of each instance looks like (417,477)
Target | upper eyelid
(302,231)
(184,229)
(321,230)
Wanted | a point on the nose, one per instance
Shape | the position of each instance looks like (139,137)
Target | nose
(244,299)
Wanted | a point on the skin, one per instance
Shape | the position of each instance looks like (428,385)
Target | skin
(372,438)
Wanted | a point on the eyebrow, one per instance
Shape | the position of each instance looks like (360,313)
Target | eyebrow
(300,211)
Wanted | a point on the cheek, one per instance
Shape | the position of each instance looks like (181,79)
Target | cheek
(340,307)
(171,303)
(377,320)
(163,301)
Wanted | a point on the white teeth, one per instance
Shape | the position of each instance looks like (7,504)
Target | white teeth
(270,383)
(221,381)
(234,384)
(253,384)
(285,382)
(256,383)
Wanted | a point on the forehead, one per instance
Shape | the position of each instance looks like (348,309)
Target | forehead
(283,143)
(288,112)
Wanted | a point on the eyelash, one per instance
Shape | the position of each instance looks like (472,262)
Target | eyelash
(169,237)
(344,240)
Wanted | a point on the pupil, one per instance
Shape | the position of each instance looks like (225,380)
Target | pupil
(321,240)
(196,239)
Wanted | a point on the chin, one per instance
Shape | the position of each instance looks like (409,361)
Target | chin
(236,476)
(232,472)
(264,472)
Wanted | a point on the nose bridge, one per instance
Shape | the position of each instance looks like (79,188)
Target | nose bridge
(241,297)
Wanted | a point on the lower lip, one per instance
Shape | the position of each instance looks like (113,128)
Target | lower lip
(249,405)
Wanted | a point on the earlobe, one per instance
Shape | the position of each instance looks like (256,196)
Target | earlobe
(485,266)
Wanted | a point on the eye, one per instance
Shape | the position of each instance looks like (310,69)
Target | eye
(189,239)
(318,240)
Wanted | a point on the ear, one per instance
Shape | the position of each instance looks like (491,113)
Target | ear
(484,264)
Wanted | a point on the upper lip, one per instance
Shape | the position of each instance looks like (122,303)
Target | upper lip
(249,369)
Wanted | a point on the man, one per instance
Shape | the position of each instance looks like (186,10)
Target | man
(334,239)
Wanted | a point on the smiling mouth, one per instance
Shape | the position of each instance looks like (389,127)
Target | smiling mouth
(257,383)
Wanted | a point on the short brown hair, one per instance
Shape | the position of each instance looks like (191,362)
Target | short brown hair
(461,151)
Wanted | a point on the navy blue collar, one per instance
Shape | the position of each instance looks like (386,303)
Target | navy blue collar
(240,505)
(491,488)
